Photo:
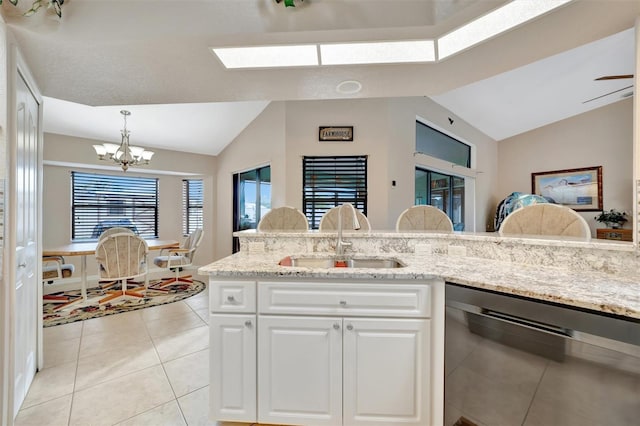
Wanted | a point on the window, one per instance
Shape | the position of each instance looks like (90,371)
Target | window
(331,181)
(436,144)
(100,202)
(192,200)
(442,191)
(251,199)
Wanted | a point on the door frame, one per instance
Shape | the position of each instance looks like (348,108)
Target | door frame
(15,65)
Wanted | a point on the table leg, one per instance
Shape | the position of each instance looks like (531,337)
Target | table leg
(83,283)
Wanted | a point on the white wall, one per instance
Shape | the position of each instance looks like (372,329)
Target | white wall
(170,167)
(602,137)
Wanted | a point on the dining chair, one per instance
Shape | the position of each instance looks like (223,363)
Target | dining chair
(329,221)
(176,259)
(122,257)
(424,218)
(55,269)
(283,219)
(545,219)
(115,230)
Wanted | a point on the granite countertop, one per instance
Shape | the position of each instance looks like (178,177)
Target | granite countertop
(597,291)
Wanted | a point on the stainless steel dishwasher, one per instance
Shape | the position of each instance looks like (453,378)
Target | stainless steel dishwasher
(537,326)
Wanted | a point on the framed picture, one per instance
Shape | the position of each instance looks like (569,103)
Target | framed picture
(335,134)
(580,189)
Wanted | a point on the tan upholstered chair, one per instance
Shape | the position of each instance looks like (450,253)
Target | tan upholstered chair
(329,221)
(545,219)
(175,259)
(122,257)
(283,218)
(424,218)
(115,230)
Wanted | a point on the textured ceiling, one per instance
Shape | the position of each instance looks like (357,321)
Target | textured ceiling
(154,52)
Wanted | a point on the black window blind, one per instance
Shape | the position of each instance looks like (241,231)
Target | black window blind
(100,202)
(192,200)
(331,181)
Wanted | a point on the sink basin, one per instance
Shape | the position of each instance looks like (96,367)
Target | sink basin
(331,262)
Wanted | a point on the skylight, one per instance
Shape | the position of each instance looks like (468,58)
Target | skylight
(378,53)
(504,18)
(500,20)
(268,56)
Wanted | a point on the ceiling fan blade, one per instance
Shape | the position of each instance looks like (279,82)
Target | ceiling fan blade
(607,94)
(614,77)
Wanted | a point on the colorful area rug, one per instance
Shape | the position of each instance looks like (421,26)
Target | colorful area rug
(80,313)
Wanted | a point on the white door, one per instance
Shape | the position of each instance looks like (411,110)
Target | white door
(25,208)
(386,372)
(300,370)
(232,391)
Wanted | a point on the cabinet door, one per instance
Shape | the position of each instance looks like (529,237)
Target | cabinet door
(300,370)
(232,391)
(386,372)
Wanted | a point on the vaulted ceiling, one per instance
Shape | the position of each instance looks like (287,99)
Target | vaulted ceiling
(154,57)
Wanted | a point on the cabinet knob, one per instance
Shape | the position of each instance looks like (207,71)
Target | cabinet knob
(248,323)
(343,303)
(336,326)
(349,327)
(231,299)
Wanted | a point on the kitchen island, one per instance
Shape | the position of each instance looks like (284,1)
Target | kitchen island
(547,271)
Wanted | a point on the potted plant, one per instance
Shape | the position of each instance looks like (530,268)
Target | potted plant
(612,218)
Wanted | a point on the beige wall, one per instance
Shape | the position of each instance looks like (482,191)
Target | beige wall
(261,143)
(602,137)
(170,167)
(384,130)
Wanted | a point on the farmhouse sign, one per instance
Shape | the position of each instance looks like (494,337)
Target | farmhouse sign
(339,134)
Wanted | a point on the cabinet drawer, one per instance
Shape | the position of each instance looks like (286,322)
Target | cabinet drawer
(232,296)
(345,299)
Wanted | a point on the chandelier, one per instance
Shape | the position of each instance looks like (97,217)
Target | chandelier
(124,154)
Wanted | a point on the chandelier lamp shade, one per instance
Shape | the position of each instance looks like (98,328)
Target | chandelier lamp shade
(124,154)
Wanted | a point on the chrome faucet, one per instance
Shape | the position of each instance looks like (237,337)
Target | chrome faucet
(340,245)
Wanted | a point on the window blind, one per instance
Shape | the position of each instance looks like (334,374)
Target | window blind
(100,202)
(192,201)
(331,181)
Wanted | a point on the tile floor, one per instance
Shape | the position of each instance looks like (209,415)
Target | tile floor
(150,367)
(146,367)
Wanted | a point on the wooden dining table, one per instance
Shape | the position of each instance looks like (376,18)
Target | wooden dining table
(85,249)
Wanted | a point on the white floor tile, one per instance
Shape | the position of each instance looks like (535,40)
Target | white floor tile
(122,398)
(195,408)
(51,413)
(165,311)
(63,332)
(96,344)
(188,373)
(113,323)
(168,414)
(58,352)
(174,324)
(51,383)
(111,364)
(183,343)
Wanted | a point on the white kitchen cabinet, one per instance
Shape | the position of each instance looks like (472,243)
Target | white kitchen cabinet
(232,348)
(386,372)
(300,370)
(330,352)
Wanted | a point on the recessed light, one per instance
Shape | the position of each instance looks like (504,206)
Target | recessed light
(378,52)
(498,21)
(268,56)
(349,87)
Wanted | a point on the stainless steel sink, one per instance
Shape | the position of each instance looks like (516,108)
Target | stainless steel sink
(333,262)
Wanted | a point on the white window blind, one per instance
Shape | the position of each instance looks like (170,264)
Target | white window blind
(192,201)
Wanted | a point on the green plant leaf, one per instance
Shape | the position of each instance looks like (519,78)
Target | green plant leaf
(289,3)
